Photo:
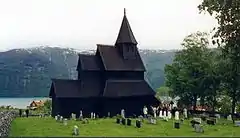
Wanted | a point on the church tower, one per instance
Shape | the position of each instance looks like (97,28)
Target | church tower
(126,42)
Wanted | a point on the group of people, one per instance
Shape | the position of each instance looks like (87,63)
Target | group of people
(159,110)
(21,112)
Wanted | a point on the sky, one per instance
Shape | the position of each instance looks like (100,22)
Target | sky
(81,24)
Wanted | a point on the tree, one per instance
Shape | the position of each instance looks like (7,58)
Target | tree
(186,74)
(227,36)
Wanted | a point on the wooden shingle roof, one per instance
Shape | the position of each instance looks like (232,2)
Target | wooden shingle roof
(124,88)
(87,62)
(74,88)
(113,61)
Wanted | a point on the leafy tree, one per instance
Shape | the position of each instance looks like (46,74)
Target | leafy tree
(227,36)
(186,75)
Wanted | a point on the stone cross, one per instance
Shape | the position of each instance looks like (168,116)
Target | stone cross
(176,115)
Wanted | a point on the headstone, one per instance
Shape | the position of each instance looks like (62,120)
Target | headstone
(160,114)
(75,130)
(94,116)
(153,121)
(61,119)
(56,118)
(185,113)
(177,125)
(198,120)
(237,123)
(138,124)
(73,116)
(218,116)
(123,113)
(123,121)
(169,115)
(129,122)
(229,117)
(118,121)
(198,128)
(109,114)
(81,115)
(65,122)
(176,115)
(91,115)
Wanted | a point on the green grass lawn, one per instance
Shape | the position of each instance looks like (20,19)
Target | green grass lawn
(35,126)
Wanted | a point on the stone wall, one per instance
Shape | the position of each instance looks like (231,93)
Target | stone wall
(6,117)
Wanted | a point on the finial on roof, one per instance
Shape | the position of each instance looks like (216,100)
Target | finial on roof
(124,11)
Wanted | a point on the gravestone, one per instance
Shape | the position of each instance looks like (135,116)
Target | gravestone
(154,112)
(141,118)
(177,125)
(56,118)
(123,113)
(198,128)
(169,115)
(198,120)
(73,116)
(61,119)
(129,122)
(138,124)
(237,123)
(91,115)
(218,116)
(118,120)
(109,114)
(75,130)
(94,116)
(193,122)
(85,121)
(160,114)
(65,122)
(123,121)
(229,117)
(185,113)
(176,115)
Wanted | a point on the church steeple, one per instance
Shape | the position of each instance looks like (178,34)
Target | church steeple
(125,34)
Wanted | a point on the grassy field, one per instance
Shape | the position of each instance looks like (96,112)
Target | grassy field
(35,126)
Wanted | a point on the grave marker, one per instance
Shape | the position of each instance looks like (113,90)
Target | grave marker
(176,115)
(75,130)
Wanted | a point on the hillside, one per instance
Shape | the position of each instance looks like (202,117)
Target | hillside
(28,72)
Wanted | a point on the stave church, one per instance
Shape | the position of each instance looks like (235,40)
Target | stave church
(108,81)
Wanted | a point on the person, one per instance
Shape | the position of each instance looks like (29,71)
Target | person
(27,112)
(145,111)
(20,112)
(154,111)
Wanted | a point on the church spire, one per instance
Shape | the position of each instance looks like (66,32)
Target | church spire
(125,34)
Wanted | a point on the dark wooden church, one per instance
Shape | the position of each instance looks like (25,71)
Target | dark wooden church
(110,80)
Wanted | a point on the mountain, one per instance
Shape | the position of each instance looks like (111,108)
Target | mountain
(28,72)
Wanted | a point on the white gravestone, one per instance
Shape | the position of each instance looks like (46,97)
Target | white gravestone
(123,113)
(91,115)
(169,115)
(185,113)
(160,114)
(164,114)
(94,115)
(81,114)
(65,122)
(61,119)
(73,116)
(108,114)
(199,120)
(75,130)
(229,117)
(237,123)
(56,118)
(176,115)
(198,128)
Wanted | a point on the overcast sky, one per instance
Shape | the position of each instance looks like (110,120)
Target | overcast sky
(81,24)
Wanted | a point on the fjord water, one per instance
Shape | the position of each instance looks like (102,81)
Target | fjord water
(19,102)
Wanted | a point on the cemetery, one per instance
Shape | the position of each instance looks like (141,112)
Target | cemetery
(171,124)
